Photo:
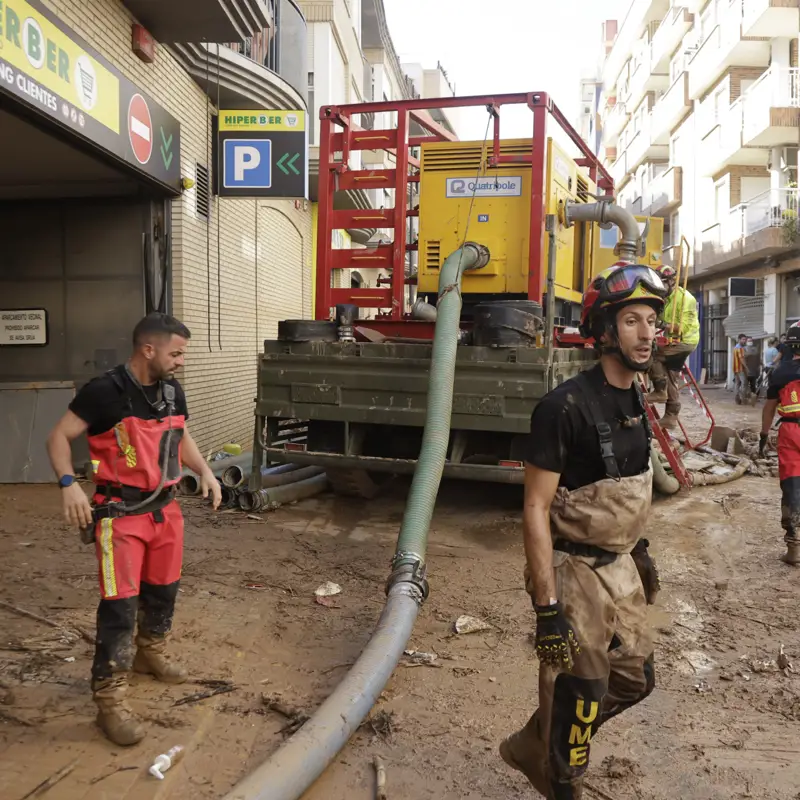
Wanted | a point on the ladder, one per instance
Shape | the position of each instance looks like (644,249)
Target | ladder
(668,443)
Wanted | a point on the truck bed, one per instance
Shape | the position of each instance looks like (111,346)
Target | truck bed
(363,405)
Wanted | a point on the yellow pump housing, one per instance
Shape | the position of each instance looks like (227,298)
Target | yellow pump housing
(460,199)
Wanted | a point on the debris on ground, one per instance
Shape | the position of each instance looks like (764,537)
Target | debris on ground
(380,778)
(50,782)
(416,658)
(328,589)
(215,688)
(467,624)
(383,724)
(296,717)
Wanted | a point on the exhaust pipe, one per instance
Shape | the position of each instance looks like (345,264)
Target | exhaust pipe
(604,213)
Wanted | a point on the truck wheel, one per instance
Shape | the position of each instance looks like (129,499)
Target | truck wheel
(356,482)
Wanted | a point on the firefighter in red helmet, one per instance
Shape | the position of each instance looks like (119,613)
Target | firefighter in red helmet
(588,487)
(135,420)
(783,396)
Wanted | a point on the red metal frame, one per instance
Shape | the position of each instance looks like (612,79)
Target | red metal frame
(339,134)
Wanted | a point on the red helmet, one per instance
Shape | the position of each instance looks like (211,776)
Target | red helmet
(667,273)
(618,285)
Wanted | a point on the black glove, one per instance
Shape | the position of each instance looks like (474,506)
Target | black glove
(762,445)
(648,572)
(555,640)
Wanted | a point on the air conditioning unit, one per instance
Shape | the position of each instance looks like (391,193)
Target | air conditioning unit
(741,287)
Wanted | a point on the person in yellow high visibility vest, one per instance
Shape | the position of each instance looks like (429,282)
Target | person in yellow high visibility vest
(682,327)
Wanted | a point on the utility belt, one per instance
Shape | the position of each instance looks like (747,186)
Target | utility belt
(603,557)
(781,420)
(119,499)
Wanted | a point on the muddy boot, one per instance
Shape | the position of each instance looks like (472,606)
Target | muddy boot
(520,751)
(114,716)
(152,659)
(792,554)
(669,421)
(658,395)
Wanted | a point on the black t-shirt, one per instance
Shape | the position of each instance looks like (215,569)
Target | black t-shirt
(562,440)
(782,375)
(101,404)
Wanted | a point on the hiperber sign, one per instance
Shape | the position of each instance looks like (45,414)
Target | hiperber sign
(262,153)
(52,70)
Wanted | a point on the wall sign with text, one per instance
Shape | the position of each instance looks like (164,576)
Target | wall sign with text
(21,326)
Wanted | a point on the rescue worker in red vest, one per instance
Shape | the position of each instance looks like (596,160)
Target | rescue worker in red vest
(135,417)
(588,487)
(783,396)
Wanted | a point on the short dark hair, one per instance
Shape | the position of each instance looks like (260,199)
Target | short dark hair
(157,325)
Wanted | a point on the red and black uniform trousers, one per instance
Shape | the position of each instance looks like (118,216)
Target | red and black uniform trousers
(139,553)
(789,459)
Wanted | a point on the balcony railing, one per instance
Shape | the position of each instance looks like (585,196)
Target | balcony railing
(771,18)
(614,121)
(775,208)
(720,147)
(723,47)
(670,109)
(766,121)
(664,192)
(669,35)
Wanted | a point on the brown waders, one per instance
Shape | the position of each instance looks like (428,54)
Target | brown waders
(594,530)
(664,374)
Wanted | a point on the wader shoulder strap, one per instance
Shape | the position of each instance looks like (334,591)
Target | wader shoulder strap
(594,416)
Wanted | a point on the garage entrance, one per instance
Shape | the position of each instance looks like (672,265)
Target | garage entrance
(84,256)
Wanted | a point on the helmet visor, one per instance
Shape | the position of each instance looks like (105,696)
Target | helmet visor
(623,282)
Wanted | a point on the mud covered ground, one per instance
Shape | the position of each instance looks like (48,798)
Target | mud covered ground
(722,724)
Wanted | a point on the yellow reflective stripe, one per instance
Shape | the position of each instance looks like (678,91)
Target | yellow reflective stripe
(107,549)
(791,409)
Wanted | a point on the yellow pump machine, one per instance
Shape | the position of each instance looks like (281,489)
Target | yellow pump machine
(462,198)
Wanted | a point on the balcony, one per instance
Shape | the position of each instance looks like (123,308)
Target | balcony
(614,120)
(669,35)
(670,109)
(762,227)
(640,14)
(243,83)
(771,18)
(645,78)
(619,171)
(724,146)
(772,108)
(725,47)
(202,20)
(642,147)
(664,193)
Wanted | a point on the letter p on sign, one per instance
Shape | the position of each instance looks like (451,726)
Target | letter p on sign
(244,158)
(247,164)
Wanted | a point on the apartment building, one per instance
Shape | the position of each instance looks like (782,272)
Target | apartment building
(700,116)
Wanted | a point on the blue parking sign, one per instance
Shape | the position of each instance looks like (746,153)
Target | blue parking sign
(247,164)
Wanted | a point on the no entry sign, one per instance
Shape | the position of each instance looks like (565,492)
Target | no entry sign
(140,129)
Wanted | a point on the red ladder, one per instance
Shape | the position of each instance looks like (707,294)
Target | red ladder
(668,443)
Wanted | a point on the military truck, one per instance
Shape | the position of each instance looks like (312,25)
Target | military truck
(349,393)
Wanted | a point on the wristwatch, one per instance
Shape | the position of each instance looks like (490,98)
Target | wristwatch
(66,480)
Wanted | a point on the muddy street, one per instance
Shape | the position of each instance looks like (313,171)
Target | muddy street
(722,723)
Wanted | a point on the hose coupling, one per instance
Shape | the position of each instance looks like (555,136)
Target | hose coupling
(412,572)
(481,253)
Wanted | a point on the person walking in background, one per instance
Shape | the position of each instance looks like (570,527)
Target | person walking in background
(740,385)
